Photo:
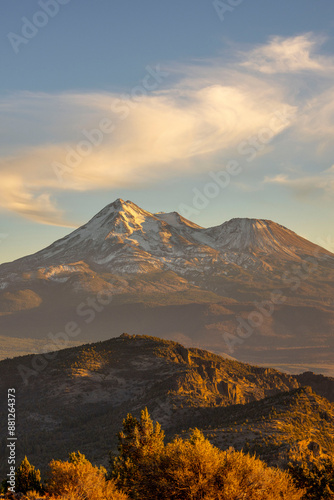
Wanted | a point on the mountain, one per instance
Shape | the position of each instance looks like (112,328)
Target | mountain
(80,396)
(122,238)
(125,239)
(249,288)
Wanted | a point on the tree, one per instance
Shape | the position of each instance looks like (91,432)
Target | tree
(140,445)
(27,478)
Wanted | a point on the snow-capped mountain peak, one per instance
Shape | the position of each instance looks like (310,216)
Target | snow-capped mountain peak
(124,238)
(119,209)
(176,220)
(260,237)
(171,275)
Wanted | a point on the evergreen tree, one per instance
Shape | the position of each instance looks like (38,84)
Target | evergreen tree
(4,486)
(27,478)
(140,445)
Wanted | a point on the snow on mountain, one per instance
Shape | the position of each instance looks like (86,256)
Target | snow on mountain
(252,235)
(254,242)
(125,239)
(176,220)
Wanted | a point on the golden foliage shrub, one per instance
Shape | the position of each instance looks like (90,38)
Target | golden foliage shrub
(78,479)
(256,480)
(191,469)
(194,469)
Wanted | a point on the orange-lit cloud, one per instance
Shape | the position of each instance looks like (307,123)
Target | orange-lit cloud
(105,140)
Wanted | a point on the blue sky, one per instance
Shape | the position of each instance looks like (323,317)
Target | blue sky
(214,109)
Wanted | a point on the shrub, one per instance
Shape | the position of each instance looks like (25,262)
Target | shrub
(188,468)
(78,479)
(257,481)
(191,469)
(33,495)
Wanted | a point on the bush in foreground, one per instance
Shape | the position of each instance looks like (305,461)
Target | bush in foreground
(191,469)
(78,479)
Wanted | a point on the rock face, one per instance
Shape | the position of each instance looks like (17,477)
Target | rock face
(232,391)
(165,274)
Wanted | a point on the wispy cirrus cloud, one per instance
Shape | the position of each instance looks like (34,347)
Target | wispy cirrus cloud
(289,55)
(306,185)
(163,129)
(316,121)
(21,199)
(205,111)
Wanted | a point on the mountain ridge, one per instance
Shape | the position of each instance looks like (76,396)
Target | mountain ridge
(120,220)
(167,274)
(82,394)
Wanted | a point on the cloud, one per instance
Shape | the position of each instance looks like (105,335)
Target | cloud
(37,207)
(289,55)
(146,140)
(316,120)
(308,185)
(204,111)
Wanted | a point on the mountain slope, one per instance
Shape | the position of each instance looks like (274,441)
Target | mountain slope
(250,288)
(288,426)
(123,238)
(81,395)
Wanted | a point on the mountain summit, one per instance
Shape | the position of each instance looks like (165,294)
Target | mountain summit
(125,238)
(171,277)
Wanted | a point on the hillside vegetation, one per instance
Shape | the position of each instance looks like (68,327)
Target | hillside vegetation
(81,395)
(145,467)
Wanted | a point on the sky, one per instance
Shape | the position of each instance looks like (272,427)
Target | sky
(214,109)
